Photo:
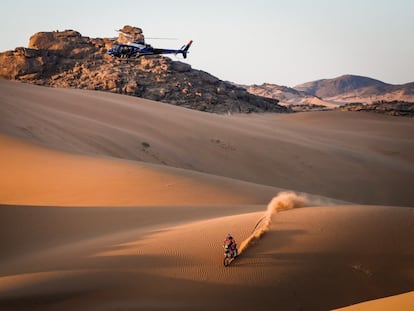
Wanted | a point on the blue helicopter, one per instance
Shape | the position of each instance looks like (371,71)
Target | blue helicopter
(139,48)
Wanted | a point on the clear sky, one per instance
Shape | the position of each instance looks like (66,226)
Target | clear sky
(286,42)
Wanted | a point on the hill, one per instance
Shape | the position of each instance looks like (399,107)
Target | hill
(350,92)
(290,97)
(343,84)
(352,88)
(68,59)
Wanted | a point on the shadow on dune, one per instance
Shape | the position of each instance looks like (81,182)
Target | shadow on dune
(120,290)
(40,302)
(43,227)
(296,281)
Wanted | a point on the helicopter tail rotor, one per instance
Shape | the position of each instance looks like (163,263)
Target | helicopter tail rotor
(185,50)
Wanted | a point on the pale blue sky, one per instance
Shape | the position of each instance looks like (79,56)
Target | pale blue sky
(284,42)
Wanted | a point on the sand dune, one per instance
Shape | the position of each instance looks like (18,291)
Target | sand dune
(397,302)
(36,176)
(314,258)
(363,158)
(115,203)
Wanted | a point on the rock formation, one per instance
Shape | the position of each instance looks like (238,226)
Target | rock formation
(393,108)
(130,33)
(68,59)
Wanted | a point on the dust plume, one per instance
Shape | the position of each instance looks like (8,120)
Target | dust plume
(282,202)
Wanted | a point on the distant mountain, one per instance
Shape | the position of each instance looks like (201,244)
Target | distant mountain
(343,84)
(287,96)
(332,93)
(352,88)
(68,59)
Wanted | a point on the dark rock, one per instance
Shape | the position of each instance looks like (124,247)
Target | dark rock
(393,108)
(180,66)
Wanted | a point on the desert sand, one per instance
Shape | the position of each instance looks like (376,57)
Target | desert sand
(110,202)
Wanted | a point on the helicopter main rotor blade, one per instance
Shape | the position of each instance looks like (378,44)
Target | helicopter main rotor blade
(161,38)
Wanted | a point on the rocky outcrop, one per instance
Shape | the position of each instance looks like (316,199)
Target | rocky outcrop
(393,108)
(68,59)
(130,33)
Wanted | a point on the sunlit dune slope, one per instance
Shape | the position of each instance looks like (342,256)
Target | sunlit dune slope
(402,302)
(37,176)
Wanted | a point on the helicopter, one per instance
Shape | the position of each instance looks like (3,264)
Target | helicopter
(137,48)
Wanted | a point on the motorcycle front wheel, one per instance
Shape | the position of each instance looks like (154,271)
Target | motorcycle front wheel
(227,261)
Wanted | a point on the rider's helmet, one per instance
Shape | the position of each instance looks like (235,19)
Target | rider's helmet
(229,237)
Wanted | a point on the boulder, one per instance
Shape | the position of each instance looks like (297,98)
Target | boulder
(130,33)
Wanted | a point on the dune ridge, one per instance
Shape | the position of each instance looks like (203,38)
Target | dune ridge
(281,202)
(403,302)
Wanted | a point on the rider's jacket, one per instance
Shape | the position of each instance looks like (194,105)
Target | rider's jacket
(230,242)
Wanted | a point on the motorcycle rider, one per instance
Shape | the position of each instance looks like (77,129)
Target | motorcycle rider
(231,244)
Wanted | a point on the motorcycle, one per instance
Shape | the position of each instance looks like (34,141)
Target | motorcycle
(229,254)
